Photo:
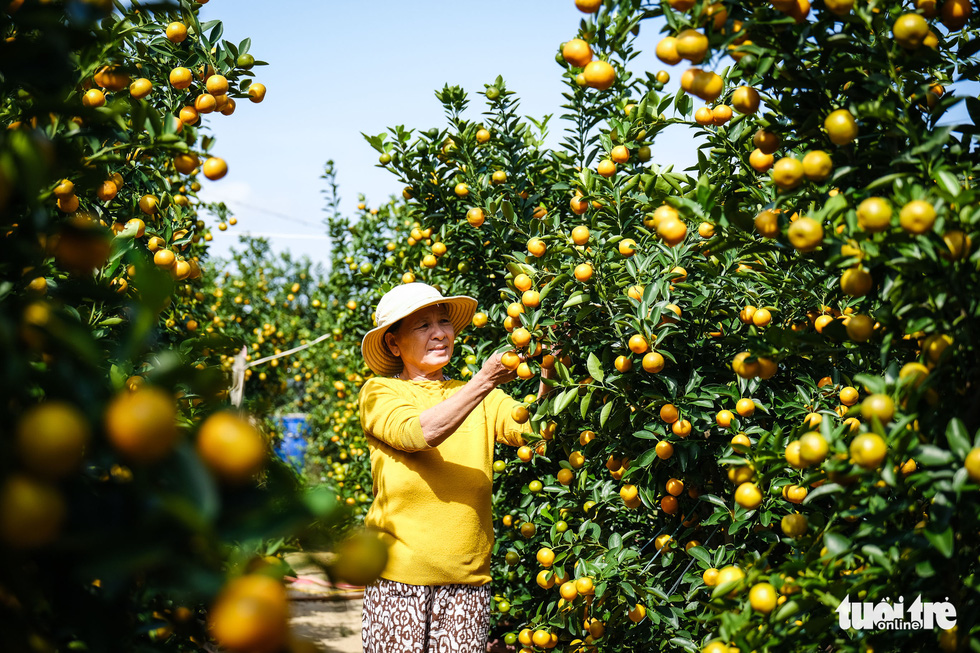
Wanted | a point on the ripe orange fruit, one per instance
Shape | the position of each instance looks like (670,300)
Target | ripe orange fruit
(653,362)
(710,578)
(51,438)
(841,127)
(525,454)
(164,258)
(760,161)
(176,32)
(637,614)
(703,116)
(106,191)
(955,13)
(627,247)
(805,234)
(972,464)
(741,442)
(580,235)
(681,428)
(664,450)
(205,103)
(762,317)
(762,597)
(31,512)
(767,222)
(535,246)
(188,115)
(93,98)
(868,450)
(577,53)
(813,448)
(917,217)
(675,486)
(520,414)
(672,231)
(767,142)
(510,359)
(692,45)
(250,614)
(787,173)
(638,344)
(794,525)
(214,168)
(606,168)
(706,85)
(958,245)
(745,99)
(217,85)
(856,281)
(620,154)
(848,396)
(748,496)
(724,418)
(256,92)
(909,30)
(745,407)
(839,7)
(599,74)
(231,447)
(817,165)
(142,425)
(874,214)
(730,574)
(721,114)
(588,6)
(181,78)
(878,405)
(669,413)
(185,163)
(667,51)
(583,272)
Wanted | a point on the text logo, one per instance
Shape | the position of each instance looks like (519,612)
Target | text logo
(885,615)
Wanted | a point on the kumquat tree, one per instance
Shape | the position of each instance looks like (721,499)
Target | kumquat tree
(766,406)
(764,427)
(138,509)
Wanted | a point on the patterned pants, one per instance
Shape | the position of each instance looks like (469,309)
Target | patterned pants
(400,618)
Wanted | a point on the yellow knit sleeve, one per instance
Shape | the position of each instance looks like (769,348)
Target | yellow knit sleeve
(505,430)
(390,416)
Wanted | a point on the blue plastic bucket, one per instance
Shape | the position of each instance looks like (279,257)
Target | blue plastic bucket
(292,447)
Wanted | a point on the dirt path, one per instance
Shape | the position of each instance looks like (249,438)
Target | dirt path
(330,622)
(334,626)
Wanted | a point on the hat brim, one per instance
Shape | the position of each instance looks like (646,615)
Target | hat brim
(376,353)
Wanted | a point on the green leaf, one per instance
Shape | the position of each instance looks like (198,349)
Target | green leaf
(929,455)
(565,399)
(836,543)
(958,438)
(594,366)
(941,541)
(949,183)
(604,414)
(700,553)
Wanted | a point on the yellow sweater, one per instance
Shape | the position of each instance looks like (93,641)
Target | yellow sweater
(432,504)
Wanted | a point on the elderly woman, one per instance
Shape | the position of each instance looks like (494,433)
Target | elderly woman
(431,441)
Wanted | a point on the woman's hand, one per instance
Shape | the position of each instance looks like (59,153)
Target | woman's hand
(494,373)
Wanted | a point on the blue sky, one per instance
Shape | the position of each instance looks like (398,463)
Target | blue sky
(341,68)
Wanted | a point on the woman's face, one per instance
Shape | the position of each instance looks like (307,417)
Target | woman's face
(424,340)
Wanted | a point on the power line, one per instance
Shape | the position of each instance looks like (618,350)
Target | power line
(277,214)
(273,235)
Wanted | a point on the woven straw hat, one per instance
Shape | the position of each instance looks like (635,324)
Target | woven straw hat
(399,302)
